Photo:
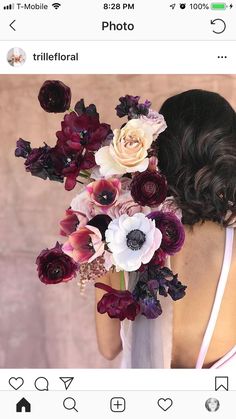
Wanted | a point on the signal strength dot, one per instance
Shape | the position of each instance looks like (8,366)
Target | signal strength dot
(56,5)
(9,7)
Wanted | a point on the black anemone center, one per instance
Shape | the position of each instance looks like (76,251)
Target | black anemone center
(135,239)
(105,197)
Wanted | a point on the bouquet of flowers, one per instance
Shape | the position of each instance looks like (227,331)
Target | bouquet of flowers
(121,219)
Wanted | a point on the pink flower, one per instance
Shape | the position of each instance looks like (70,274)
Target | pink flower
(169,205)
(83,204)
(84,245)
(104,192)
(126,205)
(72,220)
(156,121)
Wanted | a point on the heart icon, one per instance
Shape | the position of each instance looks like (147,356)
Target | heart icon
(165,404)
(16,383)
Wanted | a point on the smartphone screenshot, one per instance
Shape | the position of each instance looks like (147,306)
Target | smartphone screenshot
(118,209)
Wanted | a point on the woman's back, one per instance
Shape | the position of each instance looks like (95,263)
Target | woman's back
(199,265)
(197,155)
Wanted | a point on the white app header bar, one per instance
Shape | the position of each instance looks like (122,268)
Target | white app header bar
(118,20)
(105,57)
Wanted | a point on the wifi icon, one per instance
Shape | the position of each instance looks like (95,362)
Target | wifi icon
(56,5)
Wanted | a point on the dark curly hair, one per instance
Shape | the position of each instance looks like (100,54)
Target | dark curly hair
(197,154)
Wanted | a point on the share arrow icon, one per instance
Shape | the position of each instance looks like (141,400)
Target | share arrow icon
(67,381)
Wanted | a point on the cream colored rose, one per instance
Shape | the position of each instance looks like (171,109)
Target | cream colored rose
(128,151)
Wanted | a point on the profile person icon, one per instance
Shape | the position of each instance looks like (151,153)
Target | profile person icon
(212,405)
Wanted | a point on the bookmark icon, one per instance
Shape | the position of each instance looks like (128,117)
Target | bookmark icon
(67,381)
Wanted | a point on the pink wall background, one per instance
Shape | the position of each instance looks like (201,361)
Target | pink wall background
(42,327)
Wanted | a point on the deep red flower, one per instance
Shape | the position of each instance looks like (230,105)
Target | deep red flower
(173,234)
(81,135)
(54,96)
(54,266)
(70,223)
(159,258)
(149,188)
(83,131)
(46,162)
(117,304)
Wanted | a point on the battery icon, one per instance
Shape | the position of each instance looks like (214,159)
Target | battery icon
(218,6)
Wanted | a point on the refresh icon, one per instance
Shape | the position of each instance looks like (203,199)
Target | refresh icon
(220,26)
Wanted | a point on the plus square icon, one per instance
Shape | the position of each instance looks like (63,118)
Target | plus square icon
(117,404)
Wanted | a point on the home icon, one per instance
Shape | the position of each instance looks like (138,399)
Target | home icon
(23,406)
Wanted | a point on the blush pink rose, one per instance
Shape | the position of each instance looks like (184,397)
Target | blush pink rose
(126,205)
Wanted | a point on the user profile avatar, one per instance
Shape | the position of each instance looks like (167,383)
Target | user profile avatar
(212,405)
(16,57)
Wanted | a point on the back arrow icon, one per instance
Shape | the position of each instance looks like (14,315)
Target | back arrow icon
(213,22)
(11,25)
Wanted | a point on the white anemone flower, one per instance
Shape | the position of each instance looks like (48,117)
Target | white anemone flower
(133,240)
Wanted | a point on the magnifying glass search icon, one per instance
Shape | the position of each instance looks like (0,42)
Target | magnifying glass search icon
(70,404)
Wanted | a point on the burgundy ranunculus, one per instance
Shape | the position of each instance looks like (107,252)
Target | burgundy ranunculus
(149,188)
(23,148)
(54,266)
(54,96)
(117,304)
(130,106)
(173,234)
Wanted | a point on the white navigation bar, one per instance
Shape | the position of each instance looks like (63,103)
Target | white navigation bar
(119,20)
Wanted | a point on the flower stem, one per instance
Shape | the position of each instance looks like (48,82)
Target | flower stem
(122,280)
(82,174)
(87,172)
